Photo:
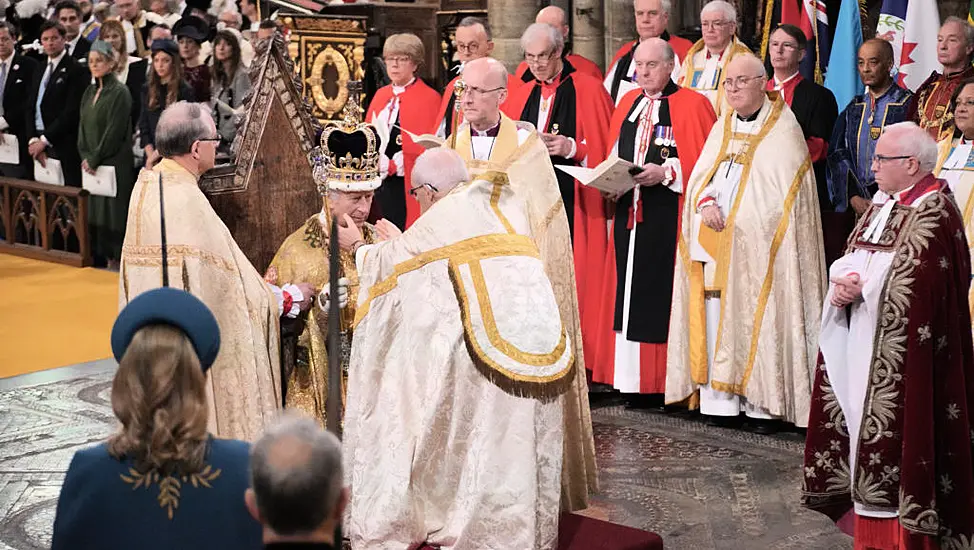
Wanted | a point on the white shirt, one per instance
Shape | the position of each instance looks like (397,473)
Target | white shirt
(69,47)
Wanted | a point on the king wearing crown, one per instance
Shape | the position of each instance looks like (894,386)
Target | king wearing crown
(346,172)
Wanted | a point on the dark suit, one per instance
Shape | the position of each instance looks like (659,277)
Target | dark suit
(81,49)
(815,108)
(60,109)
(106,504)
(18,111)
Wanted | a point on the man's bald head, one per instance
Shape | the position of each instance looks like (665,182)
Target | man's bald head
(654,48)
(554,16)
(744,84)
(437,172)
(874,62)
(653,61)
(882,48)
(487,71)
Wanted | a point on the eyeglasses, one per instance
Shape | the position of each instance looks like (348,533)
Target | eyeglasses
(415,190)
(397,59)
(475,92)
(212,139)
(880,159)
(539,58)
(740,81)
(712,24)
(471,47)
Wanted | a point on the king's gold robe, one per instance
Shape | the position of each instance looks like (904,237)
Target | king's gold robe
(460,362)
(519,152)
(768,271)
(243,386)
(303,257)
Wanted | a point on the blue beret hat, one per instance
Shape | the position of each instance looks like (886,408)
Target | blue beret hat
(165,45)
(169,306)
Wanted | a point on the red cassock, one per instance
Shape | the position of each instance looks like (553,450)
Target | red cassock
(581,64)
(581,109)
(417,111)
(446,108)
(692,118)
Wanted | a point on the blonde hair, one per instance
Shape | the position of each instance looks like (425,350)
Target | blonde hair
(159,397)
(405,44)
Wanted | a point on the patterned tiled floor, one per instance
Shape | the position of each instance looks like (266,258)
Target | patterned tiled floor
(700,487)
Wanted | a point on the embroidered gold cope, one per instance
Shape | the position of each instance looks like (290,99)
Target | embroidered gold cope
(769,272)
(961,181)
(243,385)
(519,152)
(304,257)
(460,361)
(709,82)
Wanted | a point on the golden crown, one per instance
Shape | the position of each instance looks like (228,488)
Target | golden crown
(347,158)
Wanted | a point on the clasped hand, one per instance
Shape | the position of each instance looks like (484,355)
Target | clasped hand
(652,174)
(558,146)
(712,217)
(846,290)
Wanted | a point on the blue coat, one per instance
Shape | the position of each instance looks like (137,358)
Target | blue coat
(106,504)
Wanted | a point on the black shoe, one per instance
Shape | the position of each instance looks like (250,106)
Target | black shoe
(644,401)
(723,421)
(762,426)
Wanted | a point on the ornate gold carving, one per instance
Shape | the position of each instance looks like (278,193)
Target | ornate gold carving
(329,57)
(325,24)
(170,486)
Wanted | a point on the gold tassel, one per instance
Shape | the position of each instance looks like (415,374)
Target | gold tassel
(768,12)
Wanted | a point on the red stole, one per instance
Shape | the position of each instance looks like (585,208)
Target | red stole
(593,109)
(417,106)
(692,117)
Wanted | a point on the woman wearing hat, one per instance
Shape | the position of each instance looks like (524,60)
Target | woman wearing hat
(165,87)
(105,139)
(161,481)
(191,32)
(129,70)
(231,83)
(408,103)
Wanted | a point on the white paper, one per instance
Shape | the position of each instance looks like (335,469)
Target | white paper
(50,174)
(611,176)
(958,158)
(624,88)
(726,182)
(101,183)
(10,150)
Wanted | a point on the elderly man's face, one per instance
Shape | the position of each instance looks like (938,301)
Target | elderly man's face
(894,171)
(127,10)
(744,86)
(356,204)
(651,20)
(717,31)
(85,6)
(542,58)
(425,194)
(873,65)
(784,51)
(952,46)
(652,69)
(472,43)
(205,148)
(482,96)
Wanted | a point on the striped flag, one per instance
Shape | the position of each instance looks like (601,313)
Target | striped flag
(908,25)
(811,18)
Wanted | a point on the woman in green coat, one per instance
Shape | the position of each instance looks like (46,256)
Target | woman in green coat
(105,139)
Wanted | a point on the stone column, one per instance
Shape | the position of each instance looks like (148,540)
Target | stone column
(620,26)
(508,19)
(588,38)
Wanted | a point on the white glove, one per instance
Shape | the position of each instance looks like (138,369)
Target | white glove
(397,159)
(383,166)
(324,298)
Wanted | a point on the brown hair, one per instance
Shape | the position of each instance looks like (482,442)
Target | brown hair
(114,25)
(172,87)
(221,75)
(159,396)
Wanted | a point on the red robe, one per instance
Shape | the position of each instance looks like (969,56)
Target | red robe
(914,451)
(446,102)
(690,130)
(930,105)
(582,64)
(416,114)
(593,109)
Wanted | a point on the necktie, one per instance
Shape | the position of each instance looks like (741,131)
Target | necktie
(3,83)
(38,119)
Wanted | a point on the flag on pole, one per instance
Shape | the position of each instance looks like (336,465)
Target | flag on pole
(842,77)
(823,37)
(909,25)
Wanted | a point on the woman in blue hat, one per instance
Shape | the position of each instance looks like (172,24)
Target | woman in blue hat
(161,480)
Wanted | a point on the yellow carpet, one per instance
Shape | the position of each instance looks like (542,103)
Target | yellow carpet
(53,315)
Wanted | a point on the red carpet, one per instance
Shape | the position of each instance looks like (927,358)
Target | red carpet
(583,533)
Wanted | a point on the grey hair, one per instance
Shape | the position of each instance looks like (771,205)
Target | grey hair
(10,28)
(443,168)
(968,29)
(665,5)
(181,125)
(541,30)
(299,491)
(471,21)
(910,139)
(237,18)
(725,8)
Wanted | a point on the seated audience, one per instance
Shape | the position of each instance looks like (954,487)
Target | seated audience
(161,481)
(296,493)
(105,139)
(165,12)
(129,70)
(165,87)
(190,33)
(231,83)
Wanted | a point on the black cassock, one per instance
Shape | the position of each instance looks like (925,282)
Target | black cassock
(655,251)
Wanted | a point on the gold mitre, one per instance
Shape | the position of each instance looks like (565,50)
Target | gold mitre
(347,158)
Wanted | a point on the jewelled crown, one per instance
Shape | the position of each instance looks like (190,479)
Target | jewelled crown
(347,158)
